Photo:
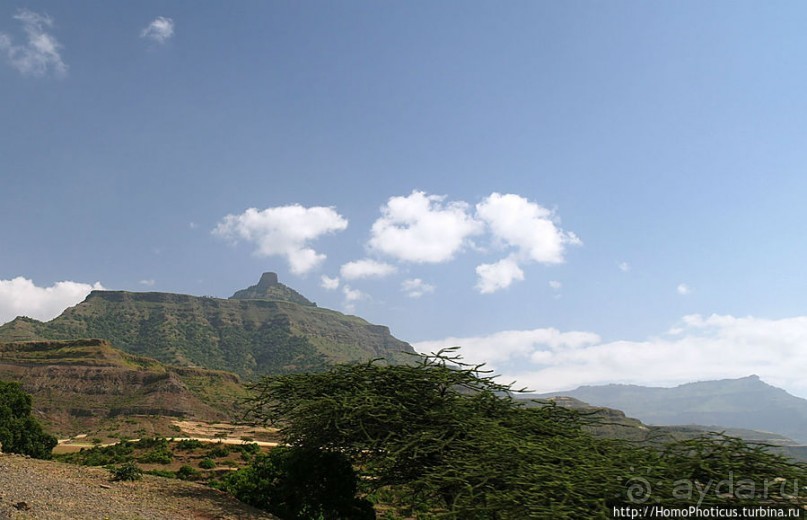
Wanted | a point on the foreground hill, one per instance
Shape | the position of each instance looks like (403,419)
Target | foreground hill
(55,491)
(746,403)
(79,385)
(265,329)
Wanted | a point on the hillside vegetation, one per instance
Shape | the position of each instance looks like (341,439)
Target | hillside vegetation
(79,385)
(250,337)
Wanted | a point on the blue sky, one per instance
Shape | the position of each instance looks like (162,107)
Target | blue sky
(576,192)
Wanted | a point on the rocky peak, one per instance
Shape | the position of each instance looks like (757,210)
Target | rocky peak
(269,288)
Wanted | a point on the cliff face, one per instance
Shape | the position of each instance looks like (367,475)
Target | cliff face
(248,336)
(79,384)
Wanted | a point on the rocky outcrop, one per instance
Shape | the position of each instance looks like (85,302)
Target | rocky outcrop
(269,288)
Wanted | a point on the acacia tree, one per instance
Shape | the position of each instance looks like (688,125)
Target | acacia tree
(19,431)
(443,436)
(442,439)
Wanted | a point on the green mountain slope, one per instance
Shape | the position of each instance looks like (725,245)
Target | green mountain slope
(250,337)
(77,385)
(745,403)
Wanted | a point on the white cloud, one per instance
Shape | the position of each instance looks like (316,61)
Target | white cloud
(506,345)
(683,289)
(415,287)
(624,267)
(328,283)
(526,226)
(160,30)
(284,231)
(703,348)
(422,228)
(366,269)
(499,275)
(555,285)
(351,297)
(40,54)
(21,297)
(147,283)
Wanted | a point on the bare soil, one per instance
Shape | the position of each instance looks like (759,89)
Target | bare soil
(37,489)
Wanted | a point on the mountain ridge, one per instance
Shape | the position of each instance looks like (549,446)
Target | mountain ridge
(248,336)
(746,402)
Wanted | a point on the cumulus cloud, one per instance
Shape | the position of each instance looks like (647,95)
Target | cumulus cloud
(415,287)
(160,30)
(425,228)
(422,228)
(624,267)
(499,275)
(147,283)
(328,283)
(525,226)
(40,54)
(366,269)
(529,230)
(21,297)
(702,348)
(284,231)
(683,289)
(555,285)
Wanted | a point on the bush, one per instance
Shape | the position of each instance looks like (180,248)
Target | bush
(218,450)
(158,456)
(300,484)
(101,455)
(127,472)
(19,432)
(207,464)
(187,473)
(189,444)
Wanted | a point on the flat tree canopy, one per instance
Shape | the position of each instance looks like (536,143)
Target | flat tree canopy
(441,439)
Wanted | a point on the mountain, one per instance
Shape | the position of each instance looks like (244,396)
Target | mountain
(265,329)
(746,403)
(78,385)
(614,424)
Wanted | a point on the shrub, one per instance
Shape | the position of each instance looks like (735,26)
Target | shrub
(158,456)
(187,473)
(19,431)
(127,472)
(189,444)
(218,450)
(300,484)
(207,464)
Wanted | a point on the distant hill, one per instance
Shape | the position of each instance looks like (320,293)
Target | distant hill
(266,329)
(614,424)
(77,385)
(746,403)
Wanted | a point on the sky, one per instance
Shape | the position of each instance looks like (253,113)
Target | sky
(576,193)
